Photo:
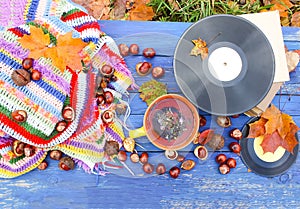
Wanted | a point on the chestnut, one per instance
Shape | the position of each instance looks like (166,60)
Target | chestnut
(107,70)
(129,144)
(224,168)
(231,162)
(144,157)
(223,121)
(171,154)
(122,156)
(55,154)
(100,100)
(158,72)
(68,113)
(202,120)
(180,158)
(188,165)
(148,168)
(201,152)
(66,164)
(19,116)
(27,63)
(235,147)
(109,97)
(124,50)
(29,150)
(149,52)
(134,49)
(134,157)
(221,158)
(143,68)
(61,126)
(36,75)
(174,172)
(107,116)
(236,134)
(43,165)
(18,148)
(160,169)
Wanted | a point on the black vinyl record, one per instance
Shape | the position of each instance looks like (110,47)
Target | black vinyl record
(239,69)
(259,166)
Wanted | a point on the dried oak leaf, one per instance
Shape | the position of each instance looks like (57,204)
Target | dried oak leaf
(271,142)
(66,52)
(141,11)
(151,90)
(200,48)
(36,42)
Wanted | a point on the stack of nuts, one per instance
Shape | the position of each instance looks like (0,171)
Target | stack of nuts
(65,163)
(68,115)
(225,164)
(142,68)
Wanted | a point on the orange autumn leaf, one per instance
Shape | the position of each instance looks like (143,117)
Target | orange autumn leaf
(200,48)
(273,115)
(36,42)
(141,11)
(279,130)
(257,128)
(66,52)
(282,6)
(271,142)
(290,139)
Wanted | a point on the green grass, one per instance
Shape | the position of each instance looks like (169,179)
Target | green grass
(194,10)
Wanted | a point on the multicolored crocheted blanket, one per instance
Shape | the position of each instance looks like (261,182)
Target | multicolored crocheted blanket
(43,100)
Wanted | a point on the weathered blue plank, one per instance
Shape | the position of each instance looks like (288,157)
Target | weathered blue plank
(203,187)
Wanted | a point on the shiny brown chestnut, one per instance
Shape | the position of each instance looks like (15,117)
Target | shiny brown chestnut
(100,99)
(61,126)
(144,157)
(55,154)
(29,150)
(19,116)
(134,49)
(158,72)
(236,134)
(148,168)
(68,113)
(149,52)
(202,120)
(18,148)
(35,75)
(174,172)
(188,165)
(20,77)
(235,147)
(134,157)
(43,165)
(143,68)
(124,50)
(221,158)
(27,63)
(122,156)
(66,163)
(231,162)
(224,121)
(108,116)
(224,169)
(160,169)
(109,97)
(107,70)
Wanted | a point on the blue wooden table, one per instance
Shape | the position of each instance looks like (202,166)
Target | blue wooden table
(202,187)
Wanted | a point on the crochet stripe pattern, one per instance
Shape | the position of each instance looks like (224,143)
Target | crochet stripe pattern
(84,138)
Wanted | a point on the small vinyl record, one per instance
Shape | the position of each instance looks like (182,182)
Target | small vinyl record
(238,71)
(268,164)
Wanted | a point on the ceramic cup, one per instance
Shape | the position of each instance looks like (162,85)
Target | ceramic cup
(179,107)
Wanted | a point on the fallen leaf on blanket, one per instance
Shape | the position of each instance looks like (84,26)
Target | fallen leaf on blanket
(277,128)
(97,9)
(200,48)
(141,12)
(36,42)
(295,21)
(292,59)
(66,52)
(151,90)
